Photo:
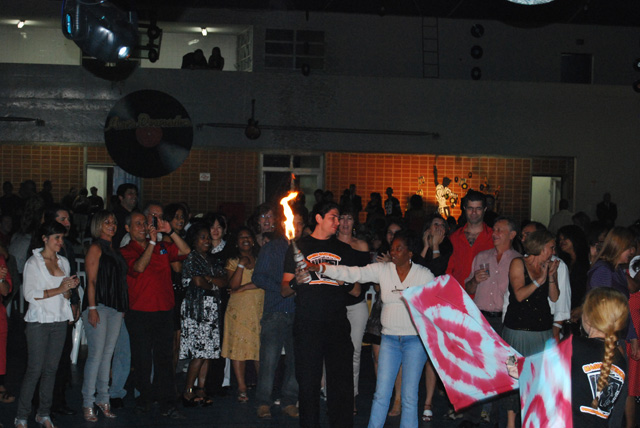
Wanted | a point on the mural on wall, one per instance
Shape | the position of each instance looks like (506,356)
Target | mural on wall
(444,195)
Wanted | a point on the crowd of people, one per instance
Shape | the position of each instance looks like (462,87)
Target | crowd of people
(164,286)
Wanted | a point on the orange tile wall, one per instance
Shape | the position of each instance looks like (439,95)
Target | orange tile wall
(234,175)
(63,165)
(508,178)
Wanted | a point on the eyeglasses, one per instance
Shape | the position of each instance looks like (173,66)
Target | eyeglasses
(266,215)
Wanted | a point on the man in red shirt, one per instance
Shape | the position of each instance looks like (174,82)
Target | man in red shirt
(150,316)
(468,241)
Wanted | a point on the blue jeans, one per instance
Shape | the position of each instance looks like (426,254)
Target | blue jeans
(121,364)
(409,352)
(276,333)
(102,341)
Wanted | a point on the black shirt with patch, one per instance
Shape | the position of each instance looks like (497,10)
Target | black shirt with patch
(322,299)
(585,372)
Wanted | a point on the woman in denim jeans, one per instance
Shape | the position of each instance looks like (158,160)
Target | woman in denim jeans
(104,305)
(400,344)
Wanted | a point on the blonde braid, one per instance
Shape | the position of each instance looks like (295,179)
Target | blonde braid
(605,368)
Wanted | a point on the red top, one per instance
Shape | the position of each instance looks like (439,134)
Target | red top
(461,259)
(151,290)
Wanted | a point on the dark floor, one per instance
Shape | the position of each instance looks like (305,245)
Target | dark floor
(225,412)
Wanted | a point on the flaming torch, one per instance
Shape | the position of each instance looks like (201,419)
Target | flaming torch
(291,234)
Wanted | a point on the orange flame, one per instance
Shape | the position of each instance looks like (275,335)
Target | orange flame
(288,214)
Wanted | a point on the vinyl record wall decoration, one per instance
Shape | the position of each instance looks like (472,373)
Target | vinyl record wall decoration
(148,133)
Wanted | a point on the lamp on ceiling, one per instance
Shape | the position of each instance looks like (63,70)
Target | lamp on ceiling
(100,29)
(21,23)
(204,31)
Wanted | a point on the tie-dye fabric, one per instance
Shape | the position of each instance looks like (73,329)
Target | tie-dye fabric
(467,353)
(545,387)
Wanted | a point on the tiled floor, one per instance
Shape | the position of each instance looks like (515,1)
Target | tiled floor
(225,412)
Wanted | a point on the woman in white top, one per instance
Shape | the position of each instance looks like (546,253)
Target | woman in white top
(47,288)
(400,342)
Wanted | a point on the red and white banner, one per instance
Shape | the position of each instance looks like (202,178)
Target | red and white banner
(467,353)
(545,387)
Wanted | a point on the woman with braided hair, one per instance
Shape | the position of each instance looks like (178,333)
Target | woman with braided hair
(598,369)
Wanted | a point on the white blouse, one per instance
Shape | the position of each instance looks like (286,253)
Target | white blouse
(395,317)
(37,279)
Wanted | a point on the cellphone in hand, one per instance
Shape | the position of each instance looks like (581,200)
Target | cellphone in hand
(155,222)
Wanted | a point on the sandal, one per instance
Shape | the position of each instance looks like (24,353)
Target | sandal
(205,400)
(90,414)
(45,422)
(6,397)
(242,397)
(193,401)
(427,414)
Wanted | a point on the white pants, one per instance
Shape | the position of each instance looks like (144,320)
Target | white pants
(358,315)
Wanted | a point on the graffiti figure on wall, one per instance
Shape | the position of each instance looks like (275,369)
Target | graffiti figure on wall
(444,195)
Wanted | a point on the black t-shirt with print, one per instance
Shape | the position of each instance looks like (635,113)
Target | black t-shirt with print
(585,372)
(322,299)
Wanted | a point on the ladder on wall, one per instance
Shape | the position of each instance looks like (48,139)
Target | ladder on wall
(430,65)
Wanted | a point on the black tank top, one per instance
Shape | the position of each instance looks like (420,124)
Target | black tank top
(111,281)
(533,313)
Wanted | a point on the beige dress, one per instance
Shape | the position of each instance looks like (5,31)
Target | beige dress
(241,339)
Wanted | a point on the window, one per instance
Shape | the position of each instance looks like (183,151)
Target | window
(291,49)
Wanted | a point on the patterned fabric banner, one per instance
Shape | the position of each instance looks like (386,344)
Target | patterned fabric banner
(545,387)
(467,353)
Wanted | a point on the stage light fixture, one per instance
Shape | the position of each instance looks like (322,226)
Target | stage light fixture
(21,23)
(100,28)
(204,31)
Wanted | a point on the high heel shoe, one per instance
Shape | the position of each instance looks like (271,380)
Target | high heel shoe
(105,408)
(20,423)
(90,414)
(45,421)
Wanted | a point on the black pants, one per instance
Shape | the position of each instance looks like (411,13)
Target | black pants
(151,335)
(316,342)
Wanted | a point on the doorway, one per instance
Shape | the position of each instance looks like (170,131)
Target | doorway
(546,192)
(101,177)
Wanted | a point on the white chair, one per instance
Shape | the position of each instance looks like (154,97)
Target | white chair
(79,264)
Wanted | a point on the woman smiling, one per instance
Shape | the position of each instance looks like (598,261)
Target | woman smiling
(47,288)
(103,310)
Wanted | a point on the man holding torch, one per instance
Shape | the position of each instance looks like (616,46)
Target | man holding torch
(321,330)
